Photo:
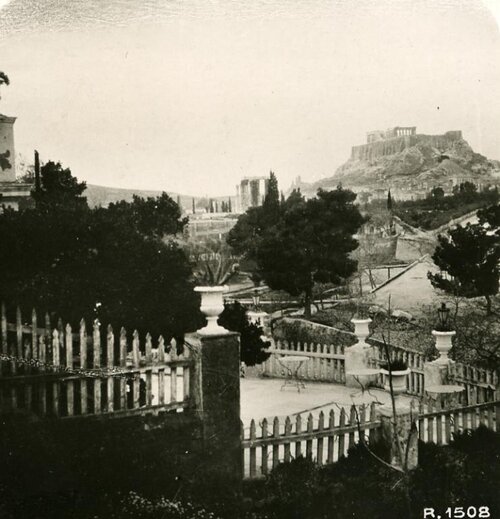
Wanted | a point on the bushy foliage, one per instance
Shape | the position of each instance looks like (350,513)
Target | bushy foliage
(298,330)
(300,242)
(252,345)
(467,472)
(437,209)
(470,255)
(135,506)
(119,264)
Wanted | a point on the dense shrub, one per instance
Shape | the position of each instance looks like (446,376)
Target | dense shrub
(465,473)
(300,330)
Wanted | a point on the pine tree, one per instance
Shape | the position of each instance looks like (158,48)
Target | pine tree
(273,196)
(389,201)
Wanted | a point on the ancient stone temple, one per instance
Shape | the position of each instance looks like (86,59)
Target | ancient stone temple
(381,143)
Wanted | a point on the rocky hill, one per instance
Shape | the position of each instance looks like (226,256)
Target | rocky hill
(417,162)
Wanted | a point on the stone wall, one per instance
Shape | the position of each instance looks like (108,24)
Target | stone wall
(382,148)
(395,145)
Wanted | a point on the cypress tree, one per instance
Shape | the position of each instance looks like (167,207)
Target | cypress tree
(389,201)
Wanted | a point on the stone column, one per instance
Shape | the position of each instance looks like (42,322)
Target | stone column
(437,372)
(359,356)
(215,392)
(399,436)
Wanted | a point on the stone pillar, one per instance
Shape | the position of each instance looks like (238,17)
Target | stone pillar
(215,392)
(435,374)
(359,356)
(399,436)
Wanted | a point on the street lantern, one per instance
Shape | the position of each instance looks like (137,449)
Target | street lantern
(256,299)
(444,315)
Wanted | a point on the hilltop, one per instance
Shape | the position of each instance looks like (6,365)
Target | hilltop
(410,162)
(104,195)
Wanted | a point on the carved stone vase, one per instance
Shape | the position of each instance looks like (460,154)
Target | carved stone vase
(212,305)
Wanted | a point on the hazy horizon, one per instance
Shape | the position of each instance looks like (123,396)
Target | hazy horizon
(189,97)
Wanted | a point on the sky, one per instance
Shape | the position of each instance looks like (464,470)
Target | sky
(189,96)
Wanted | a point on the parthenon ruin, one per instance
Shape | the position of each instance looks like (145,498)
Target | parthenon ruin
(397,131)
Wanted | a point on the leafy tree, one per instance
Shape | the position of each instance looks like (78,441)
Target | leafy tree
(437,193)
(153,216)
(466,191)
(470,255)
(4,79)
(253,346)
(120,264)
(58,187)
(310,242)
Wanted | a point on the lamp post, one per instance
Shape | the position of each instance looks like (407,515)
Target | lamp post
(444,316)
(256,299)
(443,335)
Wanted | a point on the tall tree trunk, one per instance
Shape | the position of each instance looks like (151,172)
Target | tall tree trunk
(488,304)
(308,302)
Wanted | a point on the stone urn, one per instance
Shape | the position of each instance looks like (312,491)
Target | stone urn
(398,380)
(212,305)
(443,345)
(359,356)
(361,329)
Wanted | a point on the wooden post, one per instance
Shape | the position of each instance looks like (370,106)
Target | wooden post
(19,333)
(253,454)
(123,364)
(34,335)
(321,426)
(342,422)
(48,336)
(83,365)
(96,340)
(264,447)
(276,448)
(5,348)
(331,437)
(137,377)
(70,387)
(110,357)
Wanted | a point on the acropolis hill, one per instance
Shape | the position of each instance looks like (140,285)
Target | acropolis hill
(410,164)
(394,140)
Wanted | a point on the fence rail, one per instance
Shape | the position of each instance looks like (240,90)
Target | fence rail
(57,372)
(414,360)
(325,362)
(480,384)
(267,444)
(439,426)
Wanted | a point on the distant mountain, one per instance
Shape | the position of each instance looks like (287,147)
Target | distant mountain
(417,162)
(103,196)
